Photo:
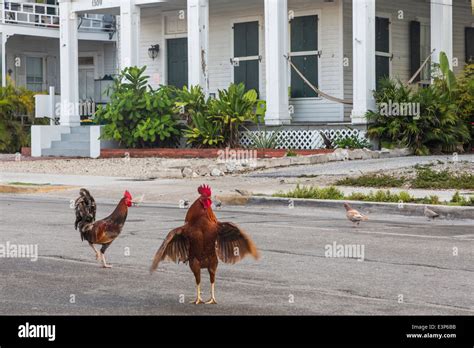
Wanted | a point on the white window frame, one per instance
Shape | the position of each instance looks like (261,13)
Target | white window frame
(318,52)
(261,50)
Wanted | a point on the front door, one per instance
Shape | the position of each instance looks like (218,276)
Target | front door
(86,90)
(86,83)
(177,62)
(246,58)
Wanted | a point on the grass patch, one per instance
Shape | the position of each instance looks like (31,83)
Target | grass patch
(425,178)
(368,180)
(312,192)
(385,196)
(457,199)
(428,178)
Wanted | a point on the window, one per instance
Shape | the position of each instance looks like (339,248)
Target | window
(382,48)
(86,60)
(246,54)
(34,74)
(420,49)
(469,44)
(304,54)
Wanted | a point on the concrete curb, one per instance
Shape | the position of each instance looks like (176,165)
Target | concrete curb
(408,209)
(233,199)
(20,189)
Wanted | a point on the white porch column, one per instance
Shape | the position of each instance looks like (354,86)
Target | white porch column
(198,43)
(441,29)
(3,56)
(363,60)
(276,48)
(129,34)
(68,50)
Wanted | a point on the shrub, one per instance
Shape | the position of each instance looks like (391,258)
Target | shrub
(441,124)
(216,122)
(14,102)
(352,142)
(203,131)
(137,115)
(233,108)
(191,101)
(263,139)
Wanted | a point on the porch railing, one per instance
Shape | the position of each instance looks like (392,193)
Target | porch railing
(28,13)
(33,14)
(97,22)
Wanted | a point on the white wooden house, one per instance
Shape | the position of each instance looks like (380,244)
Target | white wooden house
(342,46)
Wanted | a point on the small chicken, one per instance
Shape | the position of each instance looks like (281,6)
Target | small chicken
(353,215)
(430,214)
(104,231)
(202,240)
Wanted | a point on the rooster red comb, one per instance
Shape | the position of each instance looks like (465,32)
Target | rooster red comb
(127,194)
(204,190)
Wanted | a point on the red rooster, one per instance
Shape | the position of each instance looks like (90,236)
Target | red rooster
(201,240)
(104,231)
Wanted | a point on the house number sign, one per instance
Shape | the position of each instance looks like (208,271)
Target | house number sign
(96,3)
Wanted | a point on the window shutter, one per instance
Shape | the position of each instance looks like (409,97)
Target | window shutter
(240,34)
(469,44)
(414,48)
(382,37)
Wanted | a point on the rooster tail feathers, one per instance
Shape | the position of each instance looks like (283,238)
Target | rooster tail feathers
(85,208)
(156,262)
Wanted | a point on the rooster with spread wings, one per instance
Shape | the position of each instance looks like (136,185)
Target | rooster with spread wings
(202,240)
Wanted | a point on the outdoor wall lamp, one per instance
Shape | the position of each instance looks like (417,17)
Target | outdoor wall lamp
(153,51)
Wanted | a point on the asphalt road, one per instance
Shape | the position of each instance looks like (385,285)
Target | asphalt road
(408,267)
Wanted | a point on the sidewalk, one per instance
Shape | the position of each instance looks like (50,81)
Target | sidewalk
(174,190)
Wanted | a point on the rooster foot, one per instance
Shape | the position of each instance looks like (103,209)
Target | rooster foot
(98,257)
(197,301)
(211,301)
(106,266)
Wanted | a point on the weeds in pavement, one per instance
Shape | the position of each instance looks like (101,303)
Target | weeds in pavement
(332,192)
(425,178)
(457,199)
(445,179)
(312,192)
(370,180)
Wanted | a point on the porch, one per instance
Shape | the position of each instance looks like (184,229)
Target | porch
(213,43)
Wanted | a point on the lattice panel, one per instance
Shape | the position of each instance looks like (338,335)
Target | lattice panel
(302,139)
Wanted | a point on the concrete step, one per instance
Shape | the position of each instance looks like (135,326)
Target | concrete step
(81,145)
(74,137)
(57,152)
(80,130)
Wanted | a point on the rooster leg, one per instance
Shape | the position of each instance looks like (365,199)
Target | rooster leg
(213,295)
(97,254)
(102,253)
(198,300)
(212,274)
(196,268)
